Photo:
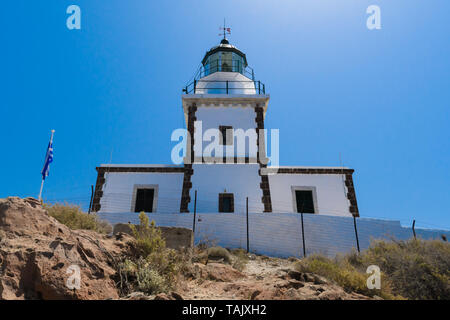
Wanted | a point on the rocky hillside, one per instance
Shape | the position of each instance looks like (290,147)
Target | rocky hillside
(262,279)
(36,252)
(37,255)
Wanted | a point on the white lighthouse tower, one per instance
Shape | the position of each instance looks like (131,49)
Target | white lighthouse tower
(226,103)
(224,108)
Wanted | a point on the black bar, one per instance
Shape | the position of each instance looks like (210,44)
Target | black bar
(195,213)
(259,87)
(227,86)
(195,85)
(92,197)
(303,236)
(248,245)
(413,229)
(356,233)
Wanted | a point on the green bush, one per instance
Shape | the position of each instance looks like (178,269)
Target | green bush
(149,239)
(73,217)
(154,268)
(149,280)
(141,276)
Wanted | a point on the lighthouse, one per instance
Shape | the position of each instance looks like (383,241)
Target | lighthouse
(225,99)
(225,163)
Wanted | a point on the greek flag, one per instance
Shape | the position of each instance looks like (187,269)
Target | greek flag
(48,160)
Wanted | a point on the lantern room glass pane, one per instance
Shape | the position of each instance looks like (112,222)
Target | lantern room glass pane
(227,62)
(224,61)
(238,62)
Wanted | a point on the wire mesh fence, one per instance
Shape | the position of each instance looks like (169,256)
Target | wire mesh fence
(281,234)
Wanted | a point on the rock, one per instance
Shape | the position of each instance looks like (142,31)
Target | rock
(255,294)
(308,277)
(295,275)
(217,272)
(137,296)
(319,280)
(39,256)
(320,289)
(290,284)
(332,295)
(163,296)
(176,295)
(296,284)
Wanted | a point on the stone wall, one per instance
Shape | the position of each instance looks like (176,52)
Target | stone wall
(176,238)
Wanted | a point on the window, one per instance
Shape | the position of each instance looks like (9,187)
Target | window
(304,201)
(226,202)
(226,133)
(227,61)
(144,200)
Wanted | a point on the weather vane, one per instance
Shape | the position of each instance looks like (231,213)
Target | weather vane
(224,30)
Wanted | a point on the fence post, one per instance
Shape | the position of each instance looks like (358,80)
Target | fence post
(413,229)
(195,213)
(303,235)
(90,201)
(195,85)
(248,242)
(227,86)
(356,233)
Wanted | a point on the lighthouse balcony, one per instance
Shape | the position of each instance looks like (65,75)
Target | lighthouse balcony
(225,87)
(225,83)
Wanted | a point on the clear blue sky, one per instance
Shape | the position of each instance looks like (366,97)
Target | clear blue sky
(379,98)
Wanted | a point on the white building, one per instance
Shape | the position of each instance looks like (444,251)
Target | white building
(223,96)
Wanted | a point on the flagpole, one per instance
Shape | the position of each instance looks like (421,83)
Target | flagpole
(43,179)
(40,192)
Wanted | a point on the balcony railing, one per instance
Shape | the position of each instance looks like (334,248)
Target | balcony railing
(224,66)
(225,87)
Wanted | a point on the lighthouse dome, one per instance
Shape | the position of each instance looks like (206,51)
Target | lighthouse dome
(224,58)
(225,70)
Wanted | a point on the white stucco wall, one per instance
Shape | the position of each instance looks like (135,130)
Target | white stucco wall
(242,180)
(216,82)
(280,234)
(236,117)
(118,191)
(330,191)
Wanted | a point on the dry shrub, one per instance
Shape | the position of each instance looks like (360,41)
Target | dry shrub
(240,259)
(417,269)
(73,217)
(149,239)
(343,273)
(153,268)
(217,253)
(413,269)
(140,275)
